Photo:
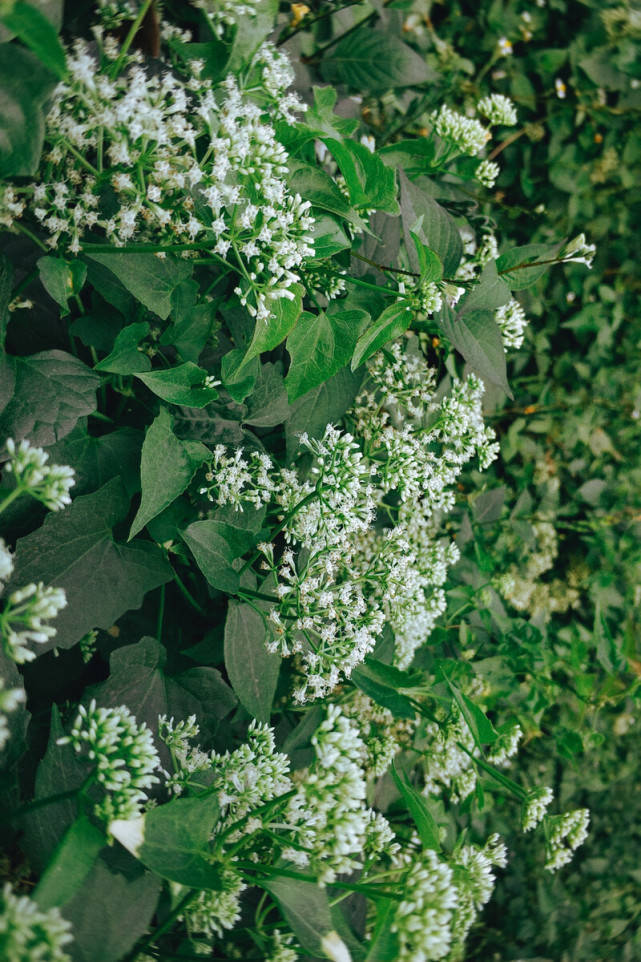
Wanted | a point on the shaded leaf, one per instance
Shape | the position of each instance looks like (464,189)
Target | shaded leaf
(253,671)
(37,32)
(393,322)
(25,85)
(184,384)
(125,358)
(431,223)
(375,61)
(150,279)
(71,863)
(319,346)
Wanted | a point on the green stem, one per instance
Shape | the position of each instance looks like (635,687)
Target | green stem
(129,39)
(247,592)
(384,267)
(308,497)
(187,594)
(308,21)
(11,497)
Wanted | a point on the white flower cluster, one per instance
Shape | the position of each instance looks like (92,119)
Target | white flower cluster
(10,698)
(223,14)
(505,747)
(465,134)
(498,109)
(24,616)
(281,948)
(423,919)
(184,162)
(535,806)
(350,576)
(212,912)
(48,483)
(27,934)
(446,766)
(487,172)
(578,251)
(511,319)
(475,880)
(113,13)
(564,834)
(123,755)
(382,733)
(335,829)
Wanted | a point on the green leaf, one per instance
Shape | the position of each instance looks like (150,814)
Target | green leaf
(37,33)
(95,460)
(250,33)
(71,863)
(329,237)
(321,120)
(25,85)
(62,279)
(192,321)
(393,322)
(167,466)
(420,811)
(213,553)
(268,404)
(138,679)
(519,267)
(125,358)
(383,687)
(60,770)
(253,671)
(269,334)
(480,726)
(173,840)
(370,60)
(431,224)
(238,375)
(319,346)
(184,384)
(429,263)
(150,279)
(488,294)
(321,406)
(321,190)
(384,945)
(53,390)
(371,184)
(307,910)
(75,550)
(413,156)
(477,336)
(113,909)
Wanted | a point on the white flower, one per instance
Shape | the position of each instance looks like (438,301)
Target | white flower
(560,89)
(487,172)
(464,133)
(48,483)
(512,321)
(27,934)
(24,618)
(564,834)
(504,46)
(423,918)
(498,110)
(535,807)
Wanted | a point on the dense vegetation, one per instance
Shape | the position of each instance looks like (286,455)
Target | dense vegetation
(321,490)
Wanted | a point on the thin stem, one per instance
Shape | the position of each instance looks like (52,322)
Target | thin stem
(11,497)
(129,39)
(384,267)
(247,592)
(25,230)
(308,21)
(187,594)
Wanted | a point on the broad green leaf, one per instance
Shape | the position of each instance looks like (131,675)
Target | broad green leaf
(184,384)
(429,263)
(480,726)
(62,279)
(477,336)
(413,156)
(251,31)
(25,86)
(173,840)
(113,909)
(71,863)
(487,507)
(384,944)
(393,322)
(419,809)
(321,119)
(150,279)
(371,184)
(321,190)
(192,321)
(75,550)
(382,688)
(37,32)
(321,406)
(110,289)
(329,237)
(269,334)
(52,391)
(319,346)
(370,60)
(489,293)
(213,553)
(95,460)
(267,405)
(125,358)
(238,375)
(521,267)
(60,770)
(431,223)
(138,679)
(307,910)
(253,671)
(167,466)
